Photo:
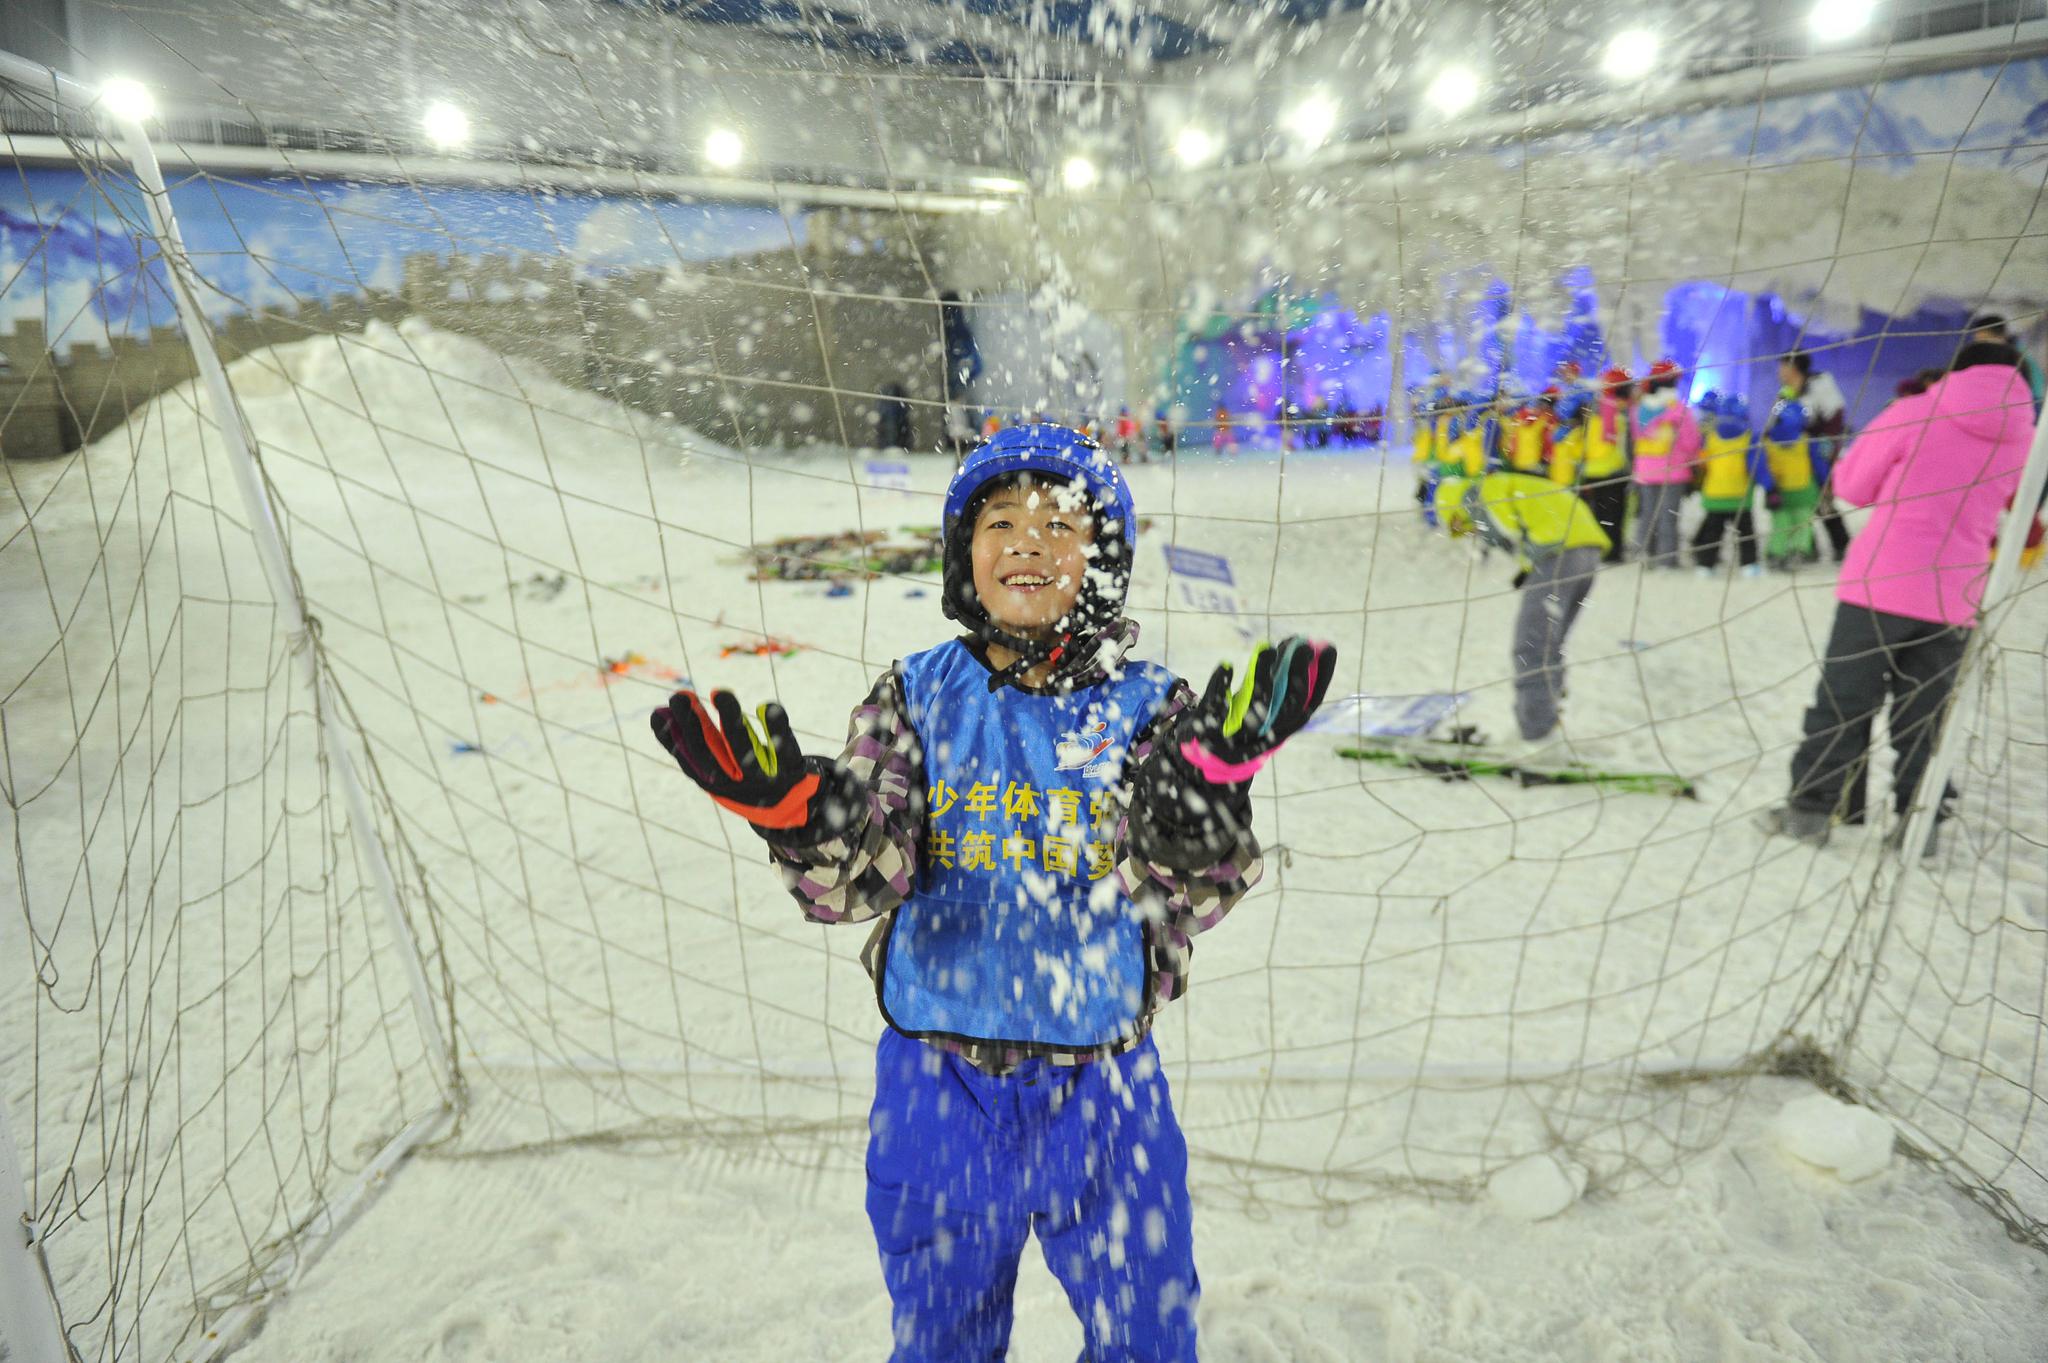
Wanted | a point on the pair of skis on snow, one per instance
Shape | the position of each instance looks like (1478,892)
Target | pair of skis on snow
(1463,755)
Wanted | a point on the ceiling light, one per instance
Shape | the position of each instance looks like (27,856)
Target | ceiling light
(724,149)
(444,124)
(1313,120)
(1193,146)
(1833,21)
(1455,89)
(127,99)
(1078,172)
(1630,54)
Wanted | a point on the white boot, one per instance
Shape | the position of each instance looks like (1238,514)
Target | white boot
(1546,750)
(1561,747)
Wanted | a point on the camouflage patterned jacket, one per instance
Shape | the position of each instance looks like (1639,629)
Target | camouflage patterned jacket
(1182,880)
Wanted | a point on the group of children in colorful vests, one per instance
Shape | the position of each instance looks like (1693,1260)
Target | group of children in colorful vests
(1123,435)
(1612,438)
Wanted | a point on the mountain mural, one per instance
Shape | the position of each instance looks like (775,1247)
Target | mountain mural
(2002,109)
(75,264)
(69,247)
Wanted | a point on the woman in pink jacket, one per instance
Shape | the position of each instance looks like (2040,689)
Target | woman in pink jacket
(1936,471)
(1666,440)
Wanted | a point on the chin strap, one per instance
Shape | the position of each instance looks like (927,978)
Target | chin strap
(1030,653)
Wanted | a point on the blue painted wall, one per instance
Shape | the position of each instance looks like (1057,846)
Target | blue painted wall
(75,253)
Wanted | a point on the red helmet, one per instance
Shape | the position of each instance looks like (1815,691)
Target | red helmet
(1664,369)
(1567,369)
(1616,377)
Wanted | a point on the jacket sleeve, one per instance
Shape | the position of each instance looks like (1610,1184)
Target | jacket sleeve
(866,871)
(1185,877)
(1860,473)
(1686,448)
(1788,422)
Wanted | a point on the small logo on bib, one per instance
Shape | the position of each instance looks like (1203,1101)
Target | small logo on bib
(1078,748)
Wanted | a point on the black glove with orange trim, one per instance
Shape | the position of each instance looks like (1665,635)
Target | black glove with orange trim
(762,776)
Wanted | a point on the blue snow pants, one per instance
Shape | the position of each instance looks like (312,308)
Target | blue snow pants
(962,1166)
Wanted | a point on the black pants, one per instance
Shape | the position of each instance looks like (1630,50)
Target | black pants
(1608,499)
(1829,517)
(1706,542)
(1871,655)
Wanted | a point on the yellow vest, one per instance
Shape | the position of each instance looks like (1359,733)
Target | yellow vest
(1657,441)
(1791,464)
(1725,467)
(1425,440)
(1606,455)
(1567,453)
(1442,456)
(1525,444)
(1468,451)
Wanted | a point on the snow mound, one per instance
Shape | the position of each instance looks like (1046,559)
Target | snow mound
(1536,1188)
(1852,1141)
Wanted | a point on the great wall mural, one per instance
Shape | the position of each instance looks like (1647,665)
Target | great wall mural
(704,312)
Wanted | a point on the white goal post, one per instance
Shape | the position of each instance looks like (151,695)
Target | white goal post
(24,1268)
(28,1310)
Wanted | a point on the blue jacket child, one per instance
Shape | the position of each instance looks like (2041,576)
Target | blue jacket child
(1038,828)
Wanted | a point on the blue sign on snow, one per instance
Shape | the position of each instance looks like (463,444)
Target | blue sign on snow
(1195,563)
(891,475)
(1368,716)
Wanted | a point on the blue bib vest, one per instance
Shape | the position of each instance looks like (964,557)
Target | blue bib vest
(1018,929)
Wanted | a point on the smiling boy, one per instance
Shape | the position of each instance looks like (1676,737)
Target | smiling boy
(1038,828)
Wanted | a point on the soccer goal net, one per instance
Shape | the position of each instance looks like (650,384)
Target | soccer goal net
(368,486)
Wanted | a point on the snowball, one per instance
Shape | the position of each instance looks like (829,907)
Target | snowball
(1536,1188)
(1853,1141)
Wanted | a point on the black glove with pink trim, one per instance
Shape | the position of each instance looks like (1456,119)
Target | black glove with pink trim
(1190,799)
(762,776)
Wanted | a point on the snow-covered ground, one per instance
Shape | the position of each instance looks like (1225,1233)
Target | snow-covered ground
(1743,1254)
(668,1069)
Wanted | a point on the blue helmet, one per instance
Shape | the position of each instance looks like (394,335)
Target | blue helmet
(1734,416)
(1709,402)
(1061,455)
